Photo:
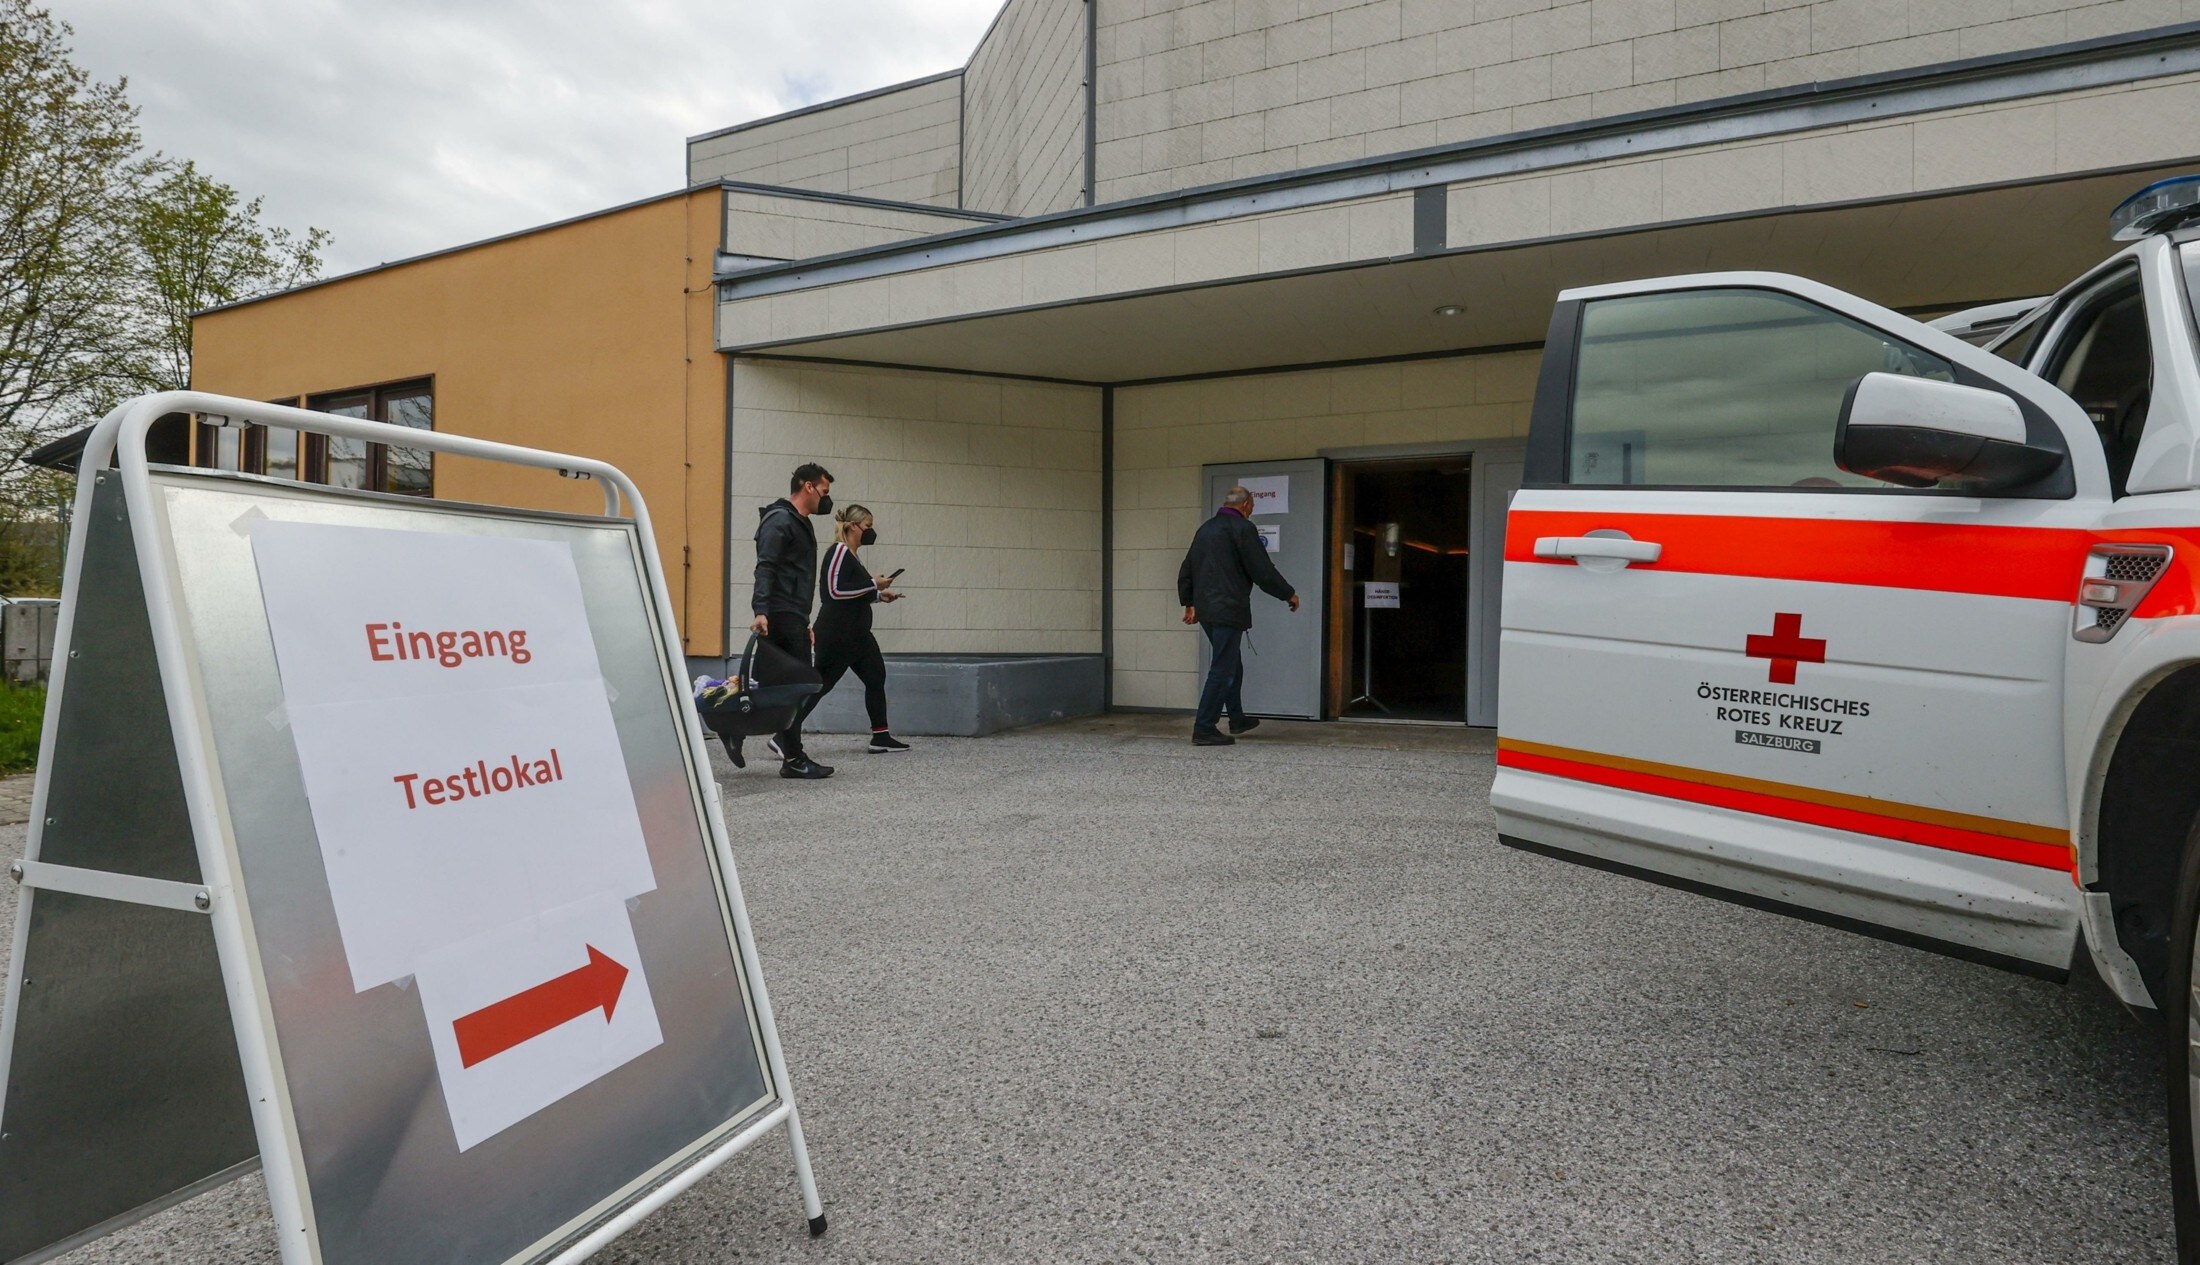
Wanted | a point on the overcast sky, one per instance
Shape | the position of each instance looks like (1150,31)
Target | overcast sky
(408,125)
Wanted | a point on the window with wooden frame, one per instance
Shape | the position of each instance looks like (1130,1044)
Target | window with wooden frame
(282,453)
(353,463)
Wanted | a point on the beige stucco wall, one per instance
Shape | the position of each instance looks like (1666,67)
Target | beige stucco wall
(1193,93)
(771,226)
(901,145)
(1024,111)
(987,490)
(1164,434)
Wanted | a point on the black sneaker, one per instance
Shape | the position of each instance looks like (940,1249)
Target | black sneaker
(1212,738)
(733,751)
(883,741)
(805,768)
(1250,724)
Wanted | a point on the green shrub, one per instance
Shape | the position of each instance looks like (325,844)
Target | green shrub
(22,713)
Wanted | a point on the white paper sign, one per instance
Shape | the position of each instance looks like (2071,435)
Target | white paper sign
(1271,537)
(469,795)
(1271,493)
(1382,595)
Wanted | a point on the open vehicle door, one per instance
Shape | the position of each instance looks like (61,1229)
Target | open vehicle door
(1735,661)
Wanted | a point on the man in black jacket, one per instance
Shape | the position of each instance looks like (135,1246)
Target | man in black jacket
(786,583)
(1226,560)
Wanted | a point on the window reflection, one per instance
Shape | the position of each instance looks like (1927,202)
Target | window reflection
(279,453)
(1722,388)
(344,461)
(410,471)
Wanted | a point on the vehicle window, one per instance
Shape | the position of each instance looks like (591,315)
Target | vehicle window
(2102,360)
(1722,388)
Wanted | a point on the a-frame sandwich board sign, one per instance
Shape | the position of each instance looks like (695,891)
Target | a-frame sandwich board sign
(374,840)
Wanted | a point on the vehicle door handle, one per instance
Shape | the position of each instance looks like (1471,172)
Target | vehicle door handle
(1617,548)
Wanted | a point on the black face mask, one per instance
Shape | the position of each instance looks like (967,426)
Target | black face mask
(824,504)
(869,537)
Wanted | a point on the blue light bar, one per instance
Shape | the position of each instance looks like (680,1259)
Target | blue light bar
(2158,208)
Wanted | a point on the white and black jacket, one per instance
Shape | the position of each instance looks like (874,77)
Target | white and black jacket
(847,594)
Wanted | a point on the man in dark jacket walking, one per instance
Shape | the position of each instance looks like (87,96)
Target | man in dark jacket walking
(1215,584)
(786,583)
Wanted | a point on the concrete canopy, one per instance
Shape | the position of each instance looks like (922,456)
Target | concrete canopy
(1927,253)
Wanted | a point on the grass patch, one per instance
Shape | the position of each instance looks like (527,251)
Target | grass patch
(22,715)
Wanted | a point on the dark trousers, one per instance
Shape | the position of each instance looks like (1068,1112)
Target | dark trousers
(791,633)
(837,656)
(1225,686)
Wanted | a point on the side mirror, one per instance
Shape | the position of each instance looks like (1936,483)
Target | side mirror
(1915,432)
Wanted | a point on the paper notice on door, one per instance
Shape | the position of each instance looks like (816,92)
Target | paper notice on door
(1271,493)
(1271,537)
(1382,596)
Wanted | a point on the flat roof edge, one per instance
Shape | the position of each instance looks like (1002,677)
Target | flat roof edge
(857,199)
(743,186)
(822,106)
(1570,144)
(439,252)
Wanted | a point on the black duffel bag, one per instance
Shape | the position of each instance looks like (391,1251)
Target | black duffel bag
(774,687)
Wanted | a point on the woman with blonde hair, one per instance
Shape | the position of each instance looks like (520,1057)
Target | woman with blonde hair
(844,640)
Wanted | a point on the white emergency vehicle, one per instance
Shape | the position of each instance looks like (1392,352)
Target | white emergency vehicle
(1816,608)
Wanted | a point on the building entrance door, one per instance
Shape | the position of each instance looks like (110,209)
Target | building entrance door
(1283,654)
(1403,585)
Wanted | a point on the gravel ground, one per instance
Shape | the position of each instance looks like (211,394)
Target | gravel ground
(1085,993)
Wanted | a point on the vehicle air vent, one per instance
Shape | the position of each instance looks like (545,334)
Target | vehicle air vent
(2116,579)
(2135,566)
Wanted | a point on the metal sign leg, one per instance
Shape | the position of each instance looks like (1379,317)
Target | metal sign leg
(1367,662)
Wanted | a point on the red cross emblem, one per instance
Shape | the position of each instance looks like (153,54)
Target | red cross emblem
(1786,647)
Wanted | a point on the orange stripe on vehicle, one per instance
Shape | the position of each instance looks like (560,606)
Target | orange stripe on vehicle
(2022,842)
(2036,563)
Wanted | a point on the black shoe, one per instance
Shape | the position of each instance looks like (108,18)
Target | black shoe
(883,741)
(733,752)
(1249,725)
(805,768)
(1212,738)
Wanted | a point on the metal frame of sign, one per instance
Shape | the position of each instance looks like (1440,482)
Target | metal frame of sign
(218,894)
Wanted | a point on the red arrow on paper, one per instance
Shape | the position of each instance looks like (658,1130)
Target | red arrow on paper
(522,1017)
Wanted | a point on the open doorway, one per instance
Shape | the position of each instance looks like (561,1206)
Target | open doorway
(1398,635)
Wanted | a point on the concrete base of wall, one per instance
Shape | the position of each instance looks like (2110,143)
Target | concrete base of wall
(964,695)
